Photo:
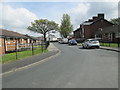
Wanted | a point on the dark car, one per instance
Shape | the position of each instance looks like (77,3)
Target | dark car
(72,42)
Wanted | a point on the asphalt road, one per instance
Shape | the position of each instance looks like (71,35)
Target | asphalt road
(74,68)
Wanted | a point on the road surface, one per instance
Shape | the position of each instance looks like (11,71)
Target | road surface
(73,68)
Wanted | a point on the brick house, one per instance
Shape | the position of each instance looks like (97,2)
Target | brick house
(9,40)
(88,28)
(78,33)
(111,33)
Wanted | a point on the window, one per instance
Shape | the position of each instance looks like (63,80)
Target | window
(0,43)
(8,41)
(14,40)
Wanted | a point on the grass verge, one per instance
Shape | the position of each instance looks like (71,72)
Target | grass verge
(21,55)
(109,45)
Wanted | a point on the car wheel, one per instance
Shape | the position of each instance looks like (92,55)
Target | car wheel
(98,47)
(87,46)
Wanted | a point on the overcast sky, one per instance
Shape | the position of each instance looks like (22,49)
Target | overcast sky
(17,16)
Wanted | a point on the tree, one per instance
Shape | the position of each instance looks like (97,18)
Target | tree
(43,26)
(65,28)
(115,21)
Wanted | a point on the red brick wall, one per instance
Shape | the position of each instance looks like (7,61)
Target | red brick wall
(2,50)
(10,46)
(87,31)
(97,25)
(91,29)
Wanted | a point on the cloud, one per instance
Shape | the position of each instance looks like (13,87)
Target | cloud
(110,9)
(1,26)
(79,13)
(119,9)
(16,19)
(81,8)
(84,11)
(114,14)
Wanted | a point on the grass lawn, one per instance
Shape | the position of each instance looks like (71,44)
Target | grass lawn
(111,44)
(21,55)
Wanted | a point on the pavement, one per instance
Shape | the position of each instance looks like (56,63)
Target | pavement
(13,66)
(107,48)
(110,48)
(52,47)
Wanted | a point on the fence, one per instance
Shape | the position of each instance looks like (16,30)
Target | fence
(109,43)
(18,51)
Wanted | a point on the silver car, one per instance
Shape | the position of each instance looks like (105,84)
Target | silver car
(63,41)
(90,43)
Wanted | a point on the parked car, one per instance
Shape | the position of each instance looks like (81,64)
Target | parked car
(64,41)
(90,43)
(72,42)
(60,41)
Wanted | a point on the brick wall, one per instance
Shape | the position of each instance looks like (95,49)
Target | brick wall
(91,29)
(2,50)
(100,24)
(87,31)
(10,44)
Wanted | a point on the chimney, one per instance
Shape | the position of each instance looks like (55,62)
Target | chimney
(80,26)
(101,15)
(95,18)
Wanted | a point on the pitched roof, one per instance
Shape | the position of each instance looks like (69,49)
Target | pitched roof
(87,23)
(92,22)
(77,29)
(11,34)
(31,37)
(104,20)
(40,38)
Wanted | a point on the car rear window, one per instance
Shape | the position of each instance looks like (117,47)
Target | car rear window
(73,40)
(94,40)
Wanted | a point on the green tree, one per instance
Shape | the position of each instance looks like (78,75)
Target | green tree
(115,21)
(65,28)
(43,26)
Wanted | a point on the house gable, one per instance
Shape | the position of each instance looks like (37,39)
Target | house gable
(102,20)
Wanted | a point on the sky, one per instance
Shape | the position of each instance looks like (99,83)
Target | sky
(17,16)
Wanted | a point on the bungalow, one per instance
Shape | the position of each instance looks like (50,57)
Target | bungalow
(32,39)
(88,28)
(9,40)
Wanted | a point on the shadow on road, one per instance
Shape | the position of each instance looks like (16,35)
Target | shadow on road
(71,45)
(87,48)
